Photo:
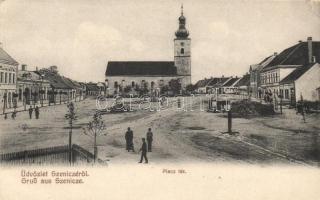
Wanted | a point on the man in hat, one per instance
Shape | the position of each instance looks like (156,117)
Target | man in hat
(143,150)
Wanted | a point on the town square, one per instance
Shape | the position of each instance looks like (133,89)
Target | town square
(125,104)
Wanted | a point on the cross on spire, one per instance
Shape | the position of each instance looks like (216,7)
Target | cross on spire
(181,9)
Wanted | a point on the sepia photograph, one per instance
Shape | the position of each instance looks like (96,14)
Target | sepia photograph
(224,94)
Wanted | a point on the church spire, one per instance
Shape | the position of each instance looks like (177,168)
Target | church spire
(181,9)
(182,32)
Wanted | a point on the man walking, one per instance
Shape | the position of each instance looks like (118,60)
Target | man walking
(30,112)
(129,140)
(36,111)
(143,150)
(149,139)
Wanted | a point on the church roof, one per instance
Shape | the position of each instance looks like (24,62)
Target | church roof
(5,58)
(141,68)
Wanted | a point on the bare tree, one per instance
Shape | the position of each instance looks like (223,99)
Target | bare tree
(71,117)
(94,129)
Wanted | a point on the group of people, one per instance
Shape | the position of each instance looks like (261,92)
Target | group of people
(145,147)
(36,112)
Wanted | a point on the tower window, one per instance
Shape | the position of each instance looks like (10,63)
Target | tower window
(182,51)
(182,44)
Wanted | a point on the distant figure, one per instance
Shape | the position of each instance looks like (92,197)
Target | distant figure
(36,111)
(14,114)
(149,139)
(5,116)
(30,112)
(143,150)
(129,140)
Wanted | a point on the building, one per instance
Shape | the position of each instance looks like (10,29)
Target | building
(62,89)
(299,55)
(243,85)
(92,89)
(255,82)
(32,88)
(229,86)
(152,76)
(303,82)
(8,80)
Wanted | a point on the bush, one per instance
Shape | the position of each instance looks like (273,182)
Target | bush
(246,108)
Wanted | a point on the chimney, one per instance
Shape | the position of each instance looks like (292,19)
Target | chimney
(23,67)
(310,56)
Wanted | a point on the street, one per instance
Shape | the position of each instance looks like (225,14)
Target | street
(179,136)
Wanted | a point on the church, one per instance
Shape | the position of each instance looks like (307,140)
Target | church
(153,75)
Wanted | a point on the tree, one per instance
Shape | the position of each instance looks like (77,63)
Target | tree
(127,89)
(71,117)
(190,87)
(94,129)
(175,85)
(164,89)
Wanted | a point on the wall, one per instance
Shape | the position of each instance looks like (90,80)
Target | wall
(7,87)
(138,80)
(308,83)
(182,60)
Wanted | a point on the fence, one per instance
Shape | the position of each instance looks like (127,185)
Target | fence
(50,155)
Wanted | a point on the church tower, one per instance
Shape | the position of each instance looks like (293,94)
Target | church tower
(182,51)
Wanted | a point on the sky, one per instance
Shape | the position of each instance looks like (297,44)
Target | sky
(80,37)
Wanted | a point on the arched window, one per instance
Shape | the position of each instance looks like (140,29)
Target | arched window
(116,84)
(152,85)
(132,84)
(182,51)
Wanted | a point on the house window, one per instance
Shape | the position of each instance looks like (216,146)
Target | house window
(13,78)
(9,77)
(152,84)
(281,92)
(286,94)
(182,51)
(133,84)
(116,84)
(6,77)
(1,77)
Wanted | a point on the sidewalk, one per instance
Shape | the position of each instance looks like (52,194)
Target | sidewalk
(22,108)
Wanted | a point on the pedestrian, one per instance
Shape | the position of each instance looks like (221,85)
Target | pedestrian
(5,116)
(14,114)
(36,111)
(129,140)
(143,150)
(30,112)
(149,139)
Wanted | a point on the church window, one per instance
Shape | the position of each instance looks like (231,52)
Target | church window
(182,51)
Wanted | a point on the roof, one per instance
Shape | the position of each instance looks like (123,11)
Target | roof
(92,87)
(230,82)
(218,81)
(56,81)
(296,55)
(244,81)
(141,68)
(203,82)
(5,58)
(297,73)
